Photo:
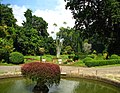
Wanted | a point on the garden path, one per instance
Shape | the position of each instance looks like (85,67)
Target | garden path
(110,72)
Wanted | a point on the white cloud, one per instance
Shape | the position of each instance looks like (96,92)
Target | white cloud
(58,16)
(19,13)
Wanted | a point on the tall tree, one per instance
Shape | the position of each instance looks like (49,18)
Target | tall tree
(71,38)
(36,22)
(99,19)
(40,25)
(6,16)
(32,35)
(7,31)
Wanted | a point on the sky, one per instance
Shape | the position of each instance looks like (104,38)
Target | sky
(52,11)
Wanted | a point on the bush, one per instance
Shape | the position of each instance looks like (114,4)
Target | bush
(16,58)
(42,73)
(87,59)
(76,57)
(114,56)
(93,63)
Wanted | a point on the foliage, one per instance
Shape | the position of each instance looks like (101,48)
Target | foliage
(114,56)
(3,55)
(42,73)
(69,60)
(27,41)
(33,35)
(92,63)
(91,56)
(87,59)
(98,20)
(16,58)
(36,22)
(6,16)
(42,51)
(76,57)
(105,55)
(68,49)
(78,63)
(87,47)
(70,56)
(71,38)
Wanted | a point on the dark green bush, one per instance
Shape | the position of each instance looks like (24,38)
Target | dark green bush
(87,59)
(76,57)
(93,63)
(114,56)
(16,58)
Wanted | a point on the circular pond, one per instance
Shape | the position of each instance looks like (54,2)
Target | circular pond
(21,85)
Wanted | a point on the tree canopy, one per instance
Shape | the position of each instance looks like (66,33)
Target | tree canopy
(100,20)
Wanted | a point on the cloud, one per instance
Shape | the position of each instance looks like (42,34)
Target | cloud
(57,15)
(19,13)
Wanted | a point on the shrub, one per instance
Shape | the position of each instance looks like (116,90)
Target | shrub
(16,58)
(114,56)
(42,73)
(93,63)
(76,57)
(87,59)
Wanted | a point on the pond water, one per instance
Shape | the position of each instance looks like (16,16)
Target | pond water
(69,85)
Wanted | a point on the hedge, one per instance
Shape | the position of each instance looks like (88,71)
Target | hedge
(92,63)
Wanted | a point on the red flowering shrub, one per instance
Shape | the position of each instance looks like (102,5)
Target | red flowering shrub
(43,73)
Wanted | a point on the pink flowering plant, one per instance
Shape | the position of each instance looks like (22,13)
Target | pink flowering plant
(42,73)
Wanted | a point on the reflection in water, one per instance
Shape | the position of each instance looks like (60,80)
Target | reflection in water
(19,85)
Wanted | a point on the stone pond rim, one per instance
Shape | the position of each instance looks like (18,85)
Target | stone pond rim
(73,75)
